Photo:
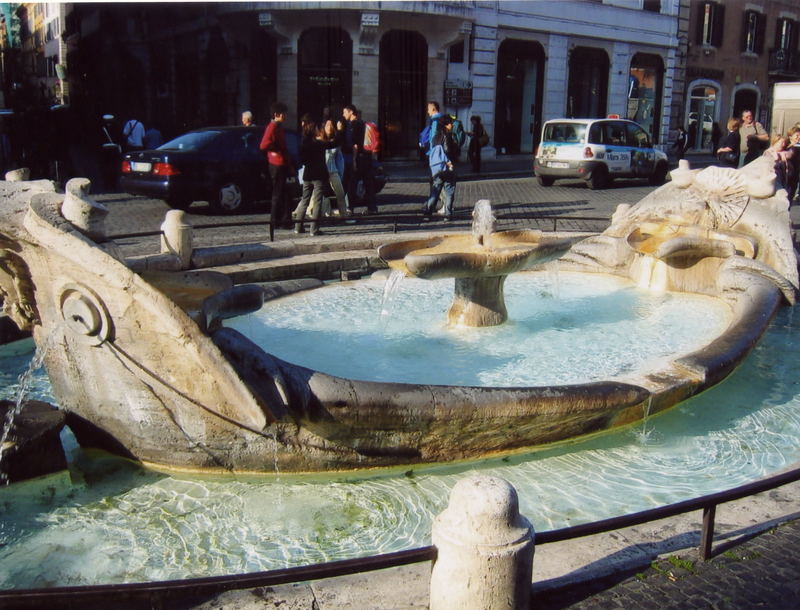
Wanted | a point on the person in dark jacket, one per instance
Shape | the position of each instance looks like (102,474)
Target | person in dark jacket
(315,173)
(728,151)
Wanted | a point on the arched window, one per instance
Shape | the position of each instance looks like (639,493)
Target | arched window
(701,122)
(644,92)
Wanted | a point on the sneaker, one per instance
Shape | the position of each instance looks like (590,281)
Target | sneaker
(441,212)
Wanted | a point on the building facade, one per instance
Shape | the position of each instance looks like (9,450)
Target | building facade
(516,64)
(736,51)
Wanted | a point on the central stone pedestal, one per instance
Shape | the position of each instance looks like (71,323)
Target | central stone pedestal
(478,301)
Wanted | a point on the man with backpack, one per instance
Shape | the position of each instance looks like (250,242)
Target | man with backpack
(357,160)
(427,133)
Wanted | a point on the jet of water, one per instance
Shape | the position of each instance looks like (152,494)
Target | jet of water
(24,384)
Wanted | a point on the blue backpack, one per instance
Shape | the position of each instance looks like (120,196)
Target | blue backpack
(425,137)
(459,135)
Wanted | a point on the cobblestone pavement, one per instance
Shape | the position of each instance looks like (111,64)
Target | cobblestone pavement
(518,200)
(763,572)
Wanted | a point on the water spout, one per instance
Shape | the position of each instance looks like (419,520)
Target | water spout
(390,289)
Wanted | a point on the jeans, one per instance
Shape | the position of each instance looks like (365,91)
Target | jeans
(443,181)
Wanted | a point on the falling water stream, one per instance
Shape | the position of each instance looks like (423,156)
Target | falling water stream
(24,384)
(109,520)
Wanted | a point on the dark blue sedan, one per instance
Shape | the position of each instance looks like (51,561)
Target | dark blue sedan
(220,165)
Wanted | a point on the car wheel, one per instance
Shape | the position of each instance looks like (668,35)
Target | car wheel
(658,177)
(598,179)
(228,198)
(545,180)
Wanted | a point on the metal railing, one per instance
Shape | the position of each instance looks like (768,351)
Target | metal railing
(394,220)
(158,593)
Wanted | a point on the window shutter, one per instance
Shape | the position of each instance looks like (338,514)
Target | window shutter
(745,30)
(701,11)
(719,24)
(761,33)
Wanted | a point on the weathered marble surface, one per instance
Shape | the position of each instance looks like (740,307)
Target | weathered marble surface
(142,367)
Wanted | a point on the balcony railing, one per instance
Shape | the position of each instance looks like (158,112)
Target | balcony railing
(784,62)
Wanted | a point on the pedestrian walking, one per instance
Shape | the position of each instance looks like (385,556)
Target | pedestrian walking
(478,139)
(133,134)
(152,138)
(681,144)
(753,138)
(781,153)
(357,161)
(441,160)
(315,173)
(728,152)
(431,123)
(334,160)
(273,144)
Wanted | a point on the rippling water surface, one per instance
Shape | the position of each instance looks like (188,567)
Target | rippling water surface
(567,328)
(111,521)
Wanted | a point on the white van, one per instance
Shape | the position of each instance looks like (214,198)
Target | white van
(597,150)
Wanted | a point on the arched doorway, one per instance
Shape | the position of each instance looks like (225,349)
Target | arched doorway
(587,92)
(518,105)
(403,74)
(324,71)
(644,92)
(745,99)
(701,120)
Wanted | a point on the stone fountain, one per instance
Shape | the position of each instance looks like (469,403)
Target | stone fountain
(142,365)
(479,263)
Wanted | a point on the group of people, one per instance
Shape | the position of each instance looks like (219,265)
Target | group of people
(439,141)
(746,140)
(332,152)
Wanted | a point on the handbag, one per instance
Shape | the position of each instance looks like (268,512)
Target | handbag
(483,139)
(729,157)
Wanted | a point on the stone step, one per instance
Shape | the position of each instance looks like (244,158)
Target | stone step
(323,265)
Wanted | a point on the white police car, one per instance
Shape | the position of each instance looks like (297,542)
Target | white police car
(597,150)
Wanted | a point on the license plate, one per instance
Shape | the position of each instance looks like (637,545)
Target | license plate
(138,166)
(558,165)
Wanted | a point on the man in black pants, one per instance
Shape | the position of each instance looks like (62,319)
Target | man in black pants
(273,144)
(357,161)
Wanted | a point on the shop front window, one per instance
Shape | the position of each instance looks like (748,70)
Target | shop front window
(644,92)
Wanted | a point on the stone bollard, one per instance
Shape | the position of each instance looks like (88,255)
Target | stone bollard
(85,214)
(484,549)
(23,174)
(177,237)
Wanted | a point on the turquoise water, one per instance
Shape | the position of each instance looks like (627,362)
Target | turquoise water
(569,328)
(111,521)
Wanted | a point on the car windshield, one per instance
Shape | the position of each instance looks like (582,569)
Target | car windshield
(194,140)
(564,132)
